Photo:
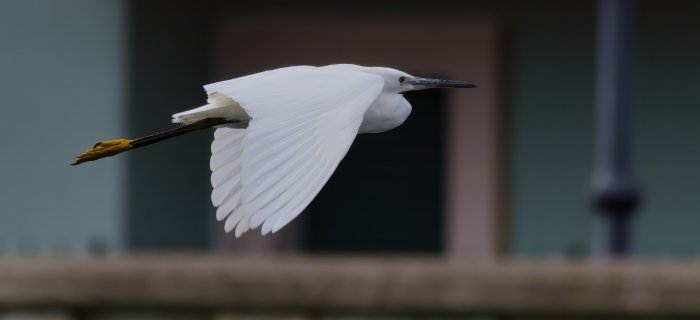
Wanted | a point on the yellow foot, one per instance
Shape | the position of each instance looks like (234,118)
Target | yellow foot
(104,149)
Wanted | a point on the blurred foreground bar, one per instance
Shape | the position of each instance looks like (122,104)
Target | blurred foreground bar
(314,287)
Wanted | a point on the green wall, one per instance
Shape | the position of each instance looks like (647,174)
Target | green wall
(667,134)
(552,135)
(61,90)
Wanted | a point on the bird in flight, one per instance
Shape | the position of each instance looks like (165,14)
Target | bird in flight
(280,134)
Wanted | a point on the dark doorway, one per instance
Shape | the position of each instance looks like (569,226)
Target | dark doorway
(386,195)
(169,58)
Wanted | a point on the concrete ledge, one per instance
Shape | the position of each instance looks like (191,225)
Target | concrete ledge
(351,285)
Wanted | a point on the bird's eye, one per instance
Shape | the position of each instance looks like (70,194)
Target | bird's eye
(402,80)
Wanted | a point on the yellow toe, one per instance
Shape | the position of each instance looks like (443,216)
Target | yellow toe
(104,149)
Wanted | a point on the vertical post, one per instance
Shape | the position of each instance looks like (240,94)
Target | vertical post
(615,194)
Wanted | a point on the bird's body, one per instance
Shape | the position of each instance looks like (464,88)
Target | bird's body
(281,134)
(388,110)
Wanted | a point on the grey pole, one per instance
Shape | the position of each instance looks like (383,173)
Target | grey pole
(615,194)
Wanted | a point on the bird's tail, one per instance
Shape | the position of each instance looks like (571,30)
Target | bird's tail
(112,147)
(220,106)
(196,114)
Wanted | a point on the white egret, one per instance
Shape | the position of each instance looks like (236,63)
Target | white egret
(280,134)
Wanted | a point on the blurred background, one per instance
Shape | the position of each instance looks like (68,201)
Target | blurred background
(492,173)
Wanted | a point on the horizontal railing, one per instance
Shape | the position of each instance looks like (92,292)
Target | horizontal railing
(370,286)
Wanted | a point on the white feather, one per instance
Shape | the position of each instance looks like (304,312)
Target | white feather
(234,218)
(302,123)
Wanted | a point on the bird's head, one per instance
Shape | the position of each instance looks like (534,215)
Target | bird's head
(398,81)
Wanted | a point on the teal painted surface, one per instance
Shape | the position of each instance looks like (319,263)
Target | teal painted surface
(667,135)
(61,90)
(552,132)
(551,127)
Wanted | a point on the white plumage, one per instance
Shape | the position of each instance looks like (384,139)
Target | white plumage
(301,122)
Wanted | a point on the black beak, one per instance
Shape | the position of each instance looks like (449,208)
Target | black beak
(423,83)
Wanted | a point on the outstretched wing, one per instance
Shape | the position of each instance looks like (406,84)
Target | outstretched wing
(303,121)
